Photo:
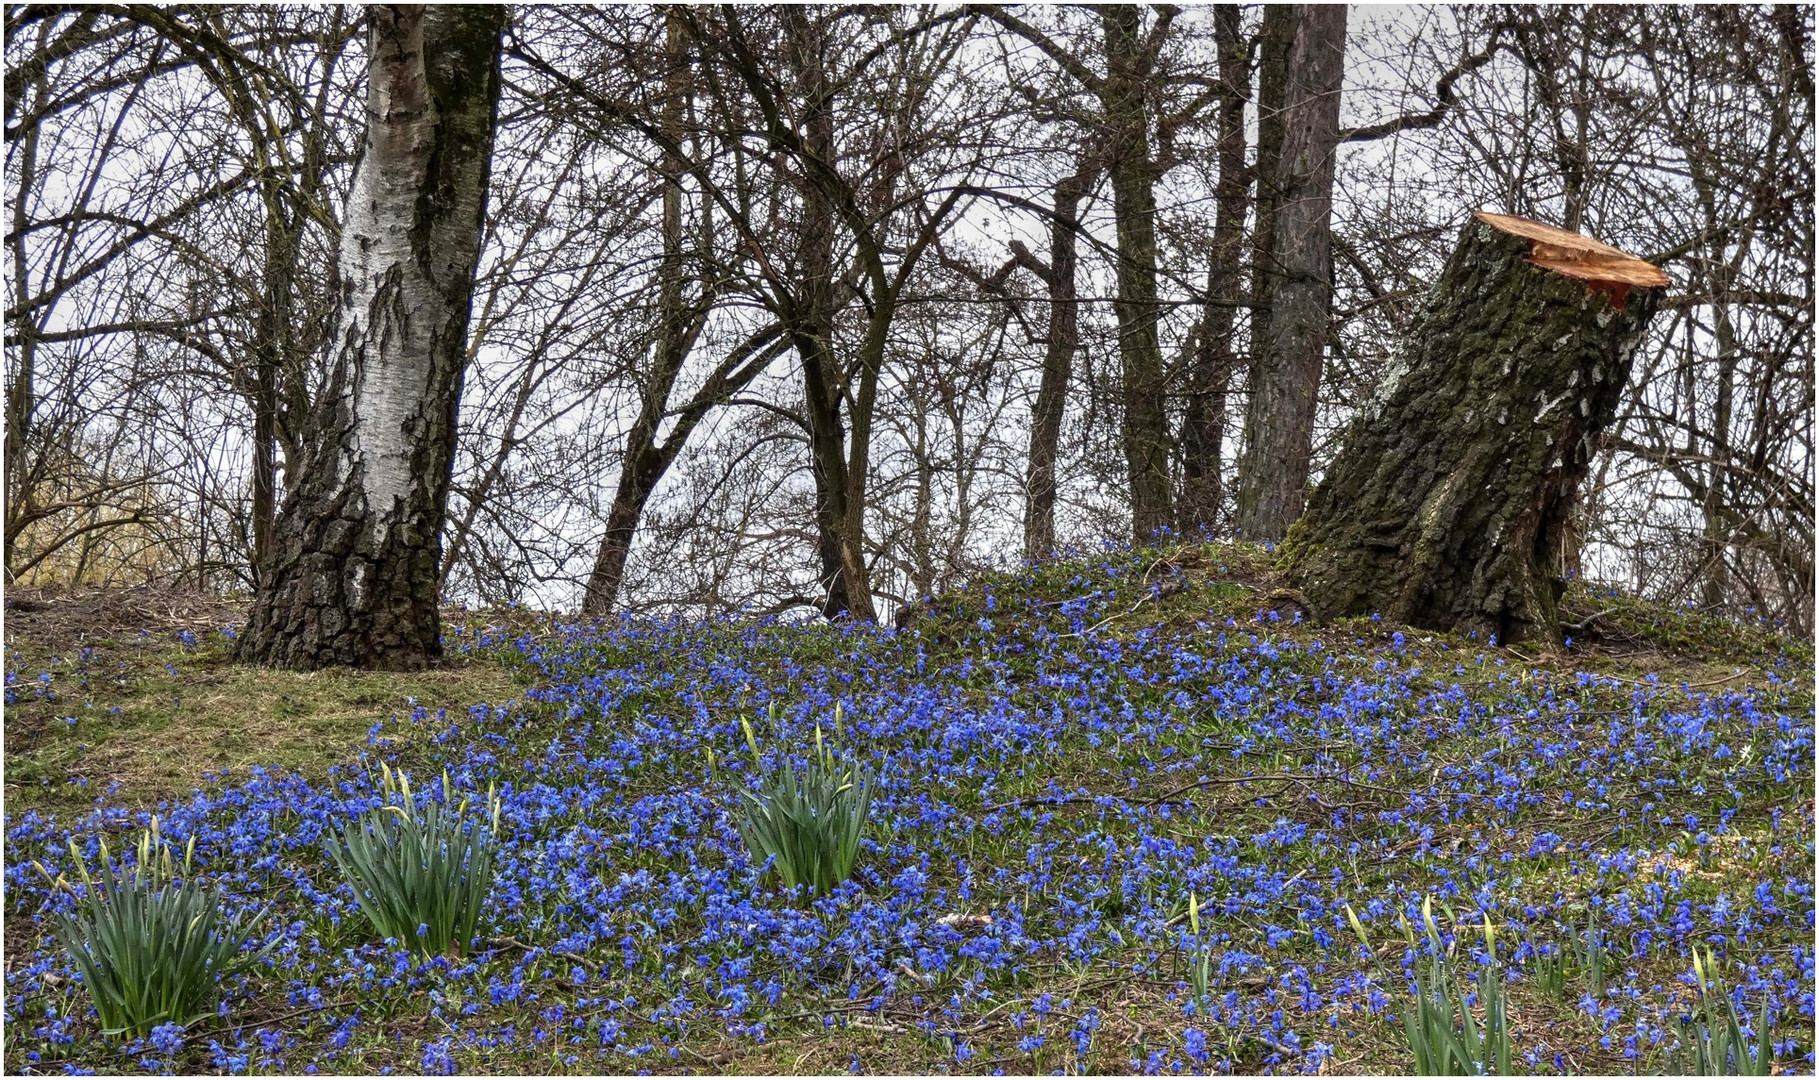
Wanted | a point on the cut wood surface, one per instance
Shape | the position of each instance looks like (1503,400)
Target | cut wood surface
(1575,255)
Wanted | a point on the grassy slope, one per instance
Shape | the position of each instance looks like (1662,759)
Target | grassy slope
(1069,752)
(143,705)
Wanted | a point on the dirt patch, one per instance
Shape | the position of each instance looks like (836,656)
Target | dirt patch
(53,619)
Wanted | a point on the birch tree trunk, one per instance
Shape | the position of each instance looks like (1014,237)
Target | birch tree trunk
(353,576)
(1286,368)
(1448,507)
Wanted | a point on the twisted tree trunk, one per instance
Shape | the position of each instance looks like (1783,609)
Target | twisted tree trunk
(354,574)
(1448,506)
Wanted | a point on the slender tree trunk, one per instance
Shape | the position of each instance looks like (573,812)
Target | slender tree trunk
(922,545)
(1215,358)
(823,377)
(22,391)
(827,462)
(647,461)
(1058,273)
(1447,507)
(1133,175)
(1285,375)
(1277,38)
(354,573)
(272,333)
(1715,508)
(853,567)
(1721,277)
(636,484)
(644,466)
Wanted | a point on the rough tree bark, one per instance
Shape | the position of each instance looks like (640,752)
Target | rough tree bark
(1129,61)
(354,572)
(1286,362)
(1275,38)
(1447,507)
(1215,359)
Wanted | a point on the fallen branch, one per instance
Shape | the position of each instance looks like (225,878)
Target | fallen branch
(1584,624)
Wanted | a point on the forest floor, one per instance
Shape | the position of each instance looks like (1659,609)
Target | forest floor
(1066,756)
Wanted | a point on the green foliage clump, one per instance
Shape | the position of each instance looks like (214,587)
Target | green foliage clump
(151,951)
(419,872)
(1200,970)
(1579,951)
(808,822)
(1712,1043)
(1550,969)
(1443,1045)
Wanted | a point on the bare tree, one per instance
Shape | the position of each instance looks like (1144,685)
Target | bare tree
(674,212)
(1129,52)
(1215,358)
(1287,361)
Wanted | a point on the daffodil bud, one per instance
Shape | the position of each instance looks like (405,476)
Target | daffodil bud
(751,740)
(1358,928)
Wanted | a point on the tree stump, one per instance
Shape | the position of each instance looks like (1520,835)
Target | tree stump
(1447,507)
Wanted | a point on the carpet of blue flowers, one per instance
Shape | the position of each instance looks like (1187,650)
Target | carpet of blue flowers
(1064,757)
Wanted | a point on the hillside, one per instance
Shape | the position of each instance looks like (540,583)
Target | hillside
(1066,756)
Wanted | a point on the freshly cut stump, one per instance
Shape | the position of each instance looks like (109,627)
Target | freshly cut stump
(1447,507)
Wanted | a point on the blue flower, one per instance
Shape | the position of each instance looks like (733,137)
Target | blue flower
(168,1038)
(437,1061)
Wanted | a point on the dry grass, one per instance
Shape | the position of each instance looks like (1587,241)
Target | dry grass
(155,714)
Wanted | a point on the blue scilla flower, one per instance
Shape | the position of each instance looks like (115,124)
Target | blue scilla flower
(168,1038)
(1193,1042)
(437,1061)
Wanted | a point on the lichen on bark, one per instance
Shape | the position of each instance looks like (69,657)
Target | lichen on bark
(1447,507)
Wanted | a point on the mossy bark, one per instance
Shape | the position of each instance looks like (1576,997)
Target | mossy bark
(1447,508)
